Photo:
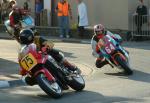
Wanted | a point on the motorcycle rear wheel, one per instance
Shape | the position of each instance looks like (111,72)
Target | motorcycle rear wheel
(77,82)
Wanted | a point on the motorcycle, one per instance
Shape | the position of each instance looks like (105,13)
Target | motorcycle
(50,76)
(26,23)
(115,54)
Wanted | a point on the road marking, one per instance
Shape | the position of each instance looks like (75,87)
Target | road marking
(85,42)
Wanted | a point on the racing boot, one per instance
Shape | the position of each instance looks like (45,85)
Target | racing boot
(100,62)
(69,65)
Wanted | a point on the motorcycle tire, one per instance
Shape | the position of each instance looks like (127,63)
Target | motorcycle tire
(50,87)
(77,83)
(124,65)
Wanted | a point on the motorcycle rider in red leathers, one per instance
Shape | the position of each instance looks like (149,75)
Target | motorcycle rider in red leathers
(15,16)
(27,37)
(99,33)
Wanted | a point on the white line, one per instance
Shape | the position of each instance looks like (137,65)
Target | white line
(4,84)
(86,42)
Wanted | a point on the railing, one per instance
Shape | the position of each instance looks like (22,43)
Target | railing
(140,26)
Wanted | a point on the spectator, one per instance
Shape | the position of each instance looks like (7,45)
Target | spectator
(11,3)
(63,10)
(82,17)
(26,5)
(5,8)
(0,13)
(149,17)
(15,16)
(38,10)
(140,15)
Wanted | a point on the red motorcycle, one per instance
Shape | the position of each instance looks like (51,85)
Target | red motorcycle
(50,76)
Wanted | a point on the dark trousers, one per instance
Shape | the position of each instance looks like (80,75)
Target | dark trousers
(99,63)
(0,18)
(81,31)
(37,19)
(56,55)
(138,22)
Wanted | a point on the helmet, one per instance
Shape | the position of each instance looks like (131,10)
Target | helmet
(26,36)
(98,28)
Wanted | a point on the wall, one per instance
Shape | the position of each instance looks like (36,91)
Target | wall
(112,13)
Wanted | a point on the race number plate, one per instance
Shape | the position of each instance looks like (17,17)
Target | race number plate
(28,62)
(109,48)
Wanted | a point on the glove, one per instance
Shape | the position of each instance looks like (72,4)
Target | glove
(100,43)
(22,72)
(48,44)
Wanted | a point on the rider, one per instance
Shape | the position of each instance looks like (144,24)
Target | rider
(15,16)
(27,37)
(99,33)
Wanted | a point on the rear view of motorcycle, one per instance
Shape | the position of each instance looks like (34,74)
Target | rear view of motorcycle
(51,77)
(26,23)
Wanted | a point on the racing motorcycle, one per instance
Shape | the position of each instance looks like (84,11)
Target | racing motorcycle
(115,54)
(47,73)
(27,22)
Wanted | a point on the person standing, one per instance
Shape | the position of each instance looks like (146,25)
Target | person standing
(38,10)
(140,15)
(63,10)
(11,3)
(82,17)
(5,9)
(0,13)
(26,5)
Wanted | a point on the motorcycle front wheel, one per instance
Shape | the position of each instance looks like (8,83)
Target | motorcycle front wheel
(50,87)
(77,82)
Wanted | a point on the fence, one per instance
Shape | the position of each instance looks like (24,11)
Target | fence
(140,26)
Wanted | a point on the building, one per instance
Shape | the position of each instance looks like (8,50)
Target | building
(114,14)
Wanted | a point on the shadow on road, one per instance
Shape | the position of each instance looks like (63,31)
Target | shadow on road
(68,97)
(140,76)
(117,74)
(7,67)
(137,76)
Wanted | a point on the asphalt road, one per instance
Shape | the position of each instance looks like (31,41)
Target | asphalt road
(103,85)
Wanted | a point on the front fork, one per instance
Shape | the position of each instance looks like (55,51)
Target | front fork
(46,73)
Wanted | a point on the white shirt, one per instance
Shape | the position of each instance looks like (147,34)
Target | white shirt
(82,11)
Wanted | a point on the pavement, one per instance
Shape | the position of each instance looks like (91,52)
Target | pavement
(5,35)
(8,80)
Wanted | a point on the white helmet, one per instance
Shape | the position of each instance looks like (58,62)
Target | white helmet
(98,28)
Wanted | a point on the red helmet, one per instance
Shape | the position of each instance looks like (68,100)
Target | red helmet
(98,28)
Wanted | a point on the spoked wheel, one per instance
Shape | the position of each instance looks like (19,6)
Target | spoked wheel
(76,82)
(50,87)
